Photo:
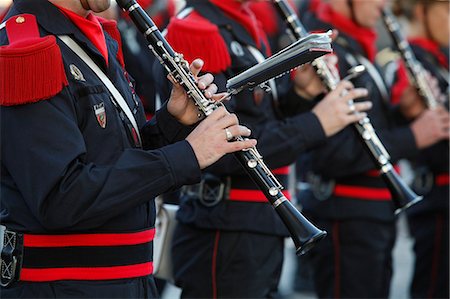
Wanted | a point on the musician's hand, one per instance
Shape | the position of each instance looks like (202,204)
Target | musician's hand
(335,111)
(209,138)
(183,108)
(411,103)
(431,127)
(307,83)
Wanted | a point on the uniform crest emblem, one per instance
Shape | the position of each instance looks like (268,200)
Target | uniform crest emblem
(100,114)
(236,48)
(76,73)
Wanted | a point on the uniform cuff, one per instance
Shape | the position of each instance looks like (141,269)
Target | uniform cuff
(170,127)
(183,163)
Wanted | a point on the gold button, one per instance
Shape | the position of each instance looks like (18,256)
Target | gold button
(20,20)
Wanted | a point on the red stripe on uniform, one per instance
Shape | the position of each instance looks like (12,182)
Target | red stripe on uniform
(86,273)
(116,239)
(214,265)
(362,192)
(281,171)
(337,260)
(251,195)
(436,262)
(442,179)
(376,172)
(373,173)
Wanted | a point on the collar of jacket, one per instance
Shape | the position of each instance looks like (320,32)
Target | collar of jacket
(365,37)
(440,54)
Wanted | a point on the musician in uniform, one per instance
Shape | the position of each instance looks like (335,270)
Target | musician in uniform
(428,220)
(229,241)
(80,167)
(348,197)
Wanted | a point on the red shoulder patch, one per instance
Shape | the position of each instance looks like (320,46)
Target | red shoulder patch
(196,37)
(31,67)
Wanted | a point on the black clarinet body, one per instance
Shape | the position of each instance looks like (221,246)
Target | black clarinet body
(304,234)
(414,67)
(402,196)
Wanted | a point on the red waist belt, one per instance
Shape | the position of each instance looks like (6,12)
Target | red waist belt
(442,179)
(101,256)
(252,195)
(255,195)
(363,193)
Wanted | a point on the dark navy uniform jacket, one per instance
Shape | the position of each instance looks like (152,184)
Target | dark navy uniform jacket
(62,172)
(280,141)
(357,190)
(435,159)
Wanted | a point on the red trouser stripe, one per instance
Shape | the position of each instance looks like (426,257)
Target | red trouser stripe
(86,273)
(117,239)
(364,193)
(251,195)
(442,179)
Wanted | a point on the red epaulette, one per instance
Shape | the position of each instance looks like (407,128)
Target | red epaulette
(110,26)
(196,37)
(31,67)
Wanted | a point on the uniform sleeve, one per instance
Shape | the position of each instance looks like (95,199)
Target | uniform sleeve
(65,187)
(345,154)
(164,129)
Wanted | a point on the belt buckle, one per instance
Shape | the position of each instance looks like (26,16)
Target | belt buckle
(211,190)
(322,189)
(11,257)
(423,180)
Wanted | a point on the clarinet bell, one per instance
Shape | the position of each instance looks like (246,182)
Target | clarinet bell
(304,234)
(403,196)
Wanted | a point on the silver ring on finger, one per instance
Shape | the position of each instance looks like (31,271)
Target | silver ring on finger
(228,134)
(351,106)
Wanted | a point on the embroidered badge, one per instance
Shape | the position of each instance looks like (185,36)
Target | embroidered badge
(236,48)
(76,73)
(100,114)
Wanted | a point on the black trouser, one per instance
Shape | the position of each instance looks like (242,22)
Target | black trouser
(354,260)
(431,271)
(142,287)
(226,264)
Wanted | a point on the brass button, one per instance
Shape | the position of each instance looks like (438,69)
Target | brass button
(20,20)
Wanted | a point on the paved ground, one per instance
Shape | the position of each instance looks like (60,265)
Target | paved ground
(403,261)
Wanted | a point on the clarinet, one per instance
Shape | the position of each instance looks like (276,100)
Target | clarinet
(402,196)
(304,234)
(414,67)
